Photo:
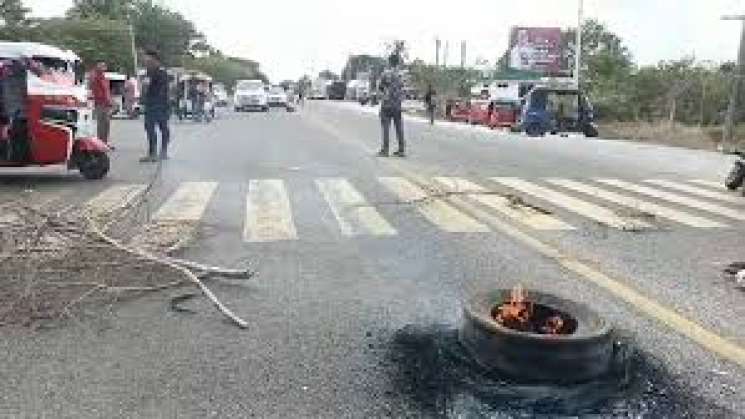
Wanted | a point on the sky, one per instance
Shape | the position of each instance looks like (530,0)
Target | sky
(294,37)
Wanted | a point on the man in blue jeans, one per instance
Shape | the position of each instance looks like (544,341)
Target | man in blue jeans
(392,91)
(157,108)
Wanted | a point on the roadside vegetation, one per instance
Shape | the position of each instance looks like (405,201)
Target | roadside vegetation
(100,30)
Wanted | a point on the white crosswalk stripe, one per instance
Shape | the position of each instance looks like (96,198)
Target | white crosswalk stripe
(721,196)
(628,201)
(268,212)
(112,199)
(354,215)
(710,184)
(594,212)
(435,210)
(188,203)
(675,198)
(524,214)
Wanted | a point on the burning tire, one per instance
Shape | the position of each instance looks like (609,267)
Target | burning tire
(93,166)
(580,349)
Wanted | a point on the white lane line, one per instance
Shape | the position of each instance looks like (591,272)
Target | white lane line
(658,210)
(675,198)
(433,209)
(735,199)
(268,212)
(710,184)
(188,203)
(594,212)
(112,199)
(354,215)
(520,213)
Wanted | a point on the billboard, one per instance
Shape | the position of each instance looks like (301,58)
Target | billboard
(536,49)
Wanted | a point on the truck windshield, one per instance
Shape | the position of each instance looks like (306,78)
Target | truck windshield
(250,85)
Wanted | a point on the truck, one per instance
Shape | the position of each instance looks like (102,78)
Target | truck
(337,90)
(318,89)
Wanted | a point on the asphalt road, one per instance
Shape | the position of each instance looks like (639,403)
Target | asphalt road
(361,282)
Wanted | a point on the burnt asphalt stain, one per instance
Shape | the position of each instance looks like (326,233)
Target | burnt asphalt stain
(431,368)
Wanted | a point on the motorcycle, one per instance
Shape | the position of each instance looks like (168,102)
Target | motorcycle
(736,175)
(45,118)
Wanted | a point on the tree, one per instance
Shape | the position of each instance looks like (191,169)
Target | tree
(398,47)
(166,31)
(15,20)
(110,9)
(92,39)
(363,63)
(226,70)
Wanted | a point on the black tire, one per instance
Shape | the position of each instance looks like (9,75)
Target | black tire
(736,176)
(591,131)
(534,130)
(93,165)
(585,354)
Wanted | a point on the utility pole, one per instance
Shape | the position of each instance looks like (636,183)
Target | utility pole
(437,51)
(462,54)
(445,54)
(578,44)
(729,122)
(132,40)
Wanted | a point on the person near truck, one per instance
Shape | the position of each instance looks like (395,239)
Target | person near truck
(102,100)
(429,102)
(391,87)
(157,108)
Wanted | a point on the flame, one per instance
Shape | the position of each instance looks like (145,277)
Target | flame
(516,312)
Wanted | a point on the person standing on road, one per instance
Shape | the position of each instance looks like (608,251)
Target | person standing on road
(429,102)
(391,87)
(157,107)
(102,101)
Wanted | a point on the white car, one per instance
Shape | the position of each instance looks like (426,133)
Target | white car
(277,97)
(250,95)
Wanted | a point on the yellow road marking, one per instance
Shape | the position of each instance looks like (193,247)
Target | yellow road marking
(433,209)
(354,215)
(520,213)
(594,212)
(658,210)
(268,212)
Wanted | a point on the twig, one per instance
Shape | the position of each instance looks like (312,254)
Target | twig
(173,265)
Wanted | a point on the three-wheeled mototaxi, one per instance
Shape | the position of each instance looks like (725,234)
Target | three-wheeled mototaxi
(45,118)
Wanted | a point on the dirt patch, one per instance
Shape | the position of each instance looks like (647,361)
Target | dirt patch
(678,135)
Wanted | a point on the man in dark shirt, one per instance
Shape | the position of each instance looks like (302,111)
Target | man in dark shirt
(157,107)
(391,87)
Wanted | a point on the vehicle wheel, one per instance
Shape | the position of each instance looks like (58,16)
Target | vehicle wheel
(93,165)
(534,130)
(736,176)
(265,109)
(591,131)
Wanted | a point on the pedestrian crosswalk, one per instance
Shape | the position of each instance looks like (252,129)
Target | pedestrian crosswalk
(270,214)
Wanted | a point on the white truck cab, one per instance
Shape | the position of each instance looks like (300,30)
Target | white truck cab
(250,95)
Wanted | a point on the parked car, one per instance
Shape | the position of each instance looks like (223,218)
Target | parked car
(478,112)
(552,109)
(277,97)
(504,113)
(457,110)
(250,94)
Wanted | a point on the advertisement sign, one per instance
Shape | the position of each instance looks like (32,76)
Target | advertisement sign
(536,49)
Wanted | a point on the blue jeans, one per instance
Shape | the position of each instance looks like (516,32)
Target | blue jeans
(386,116)
(157,118)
